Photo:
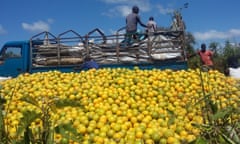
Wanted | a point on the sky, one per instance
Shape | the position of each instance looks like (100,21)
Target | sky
(208,20)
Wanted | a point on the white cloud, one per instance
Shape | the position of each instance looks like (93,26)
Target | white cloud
(164,10)
(213,34)
(235,32)
(124,6)
(50,21)
(37,26)
(120,10)
(2,30)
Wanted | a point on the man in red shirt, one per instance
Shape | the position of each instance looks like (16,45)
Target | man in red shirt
(206,56)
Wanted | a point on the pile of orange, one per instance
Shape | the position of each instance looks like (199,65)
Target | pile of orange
(121,105)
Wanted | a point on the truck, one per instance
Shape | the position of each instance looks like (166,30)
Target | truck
(66,52)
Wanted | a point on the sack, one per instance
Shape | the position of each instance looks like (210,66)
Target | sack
(234,72)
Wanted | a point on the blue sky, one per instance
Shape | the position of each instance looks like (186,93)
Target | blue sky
(208,20)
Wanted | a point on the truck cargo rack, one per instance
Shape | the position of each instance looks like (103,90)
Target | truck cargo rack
(70,48)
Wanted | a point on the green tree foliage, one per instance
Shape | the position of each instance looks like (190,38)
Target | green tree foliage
(190,41)
(193,62)
(213,47)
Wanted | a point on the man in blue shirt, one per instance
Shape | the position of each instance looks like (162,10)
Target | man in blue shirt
(89,63)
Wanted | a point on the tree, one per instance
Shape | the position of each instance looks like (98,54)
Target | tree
(228,50)
(193,62)
(190,41)
(213,47)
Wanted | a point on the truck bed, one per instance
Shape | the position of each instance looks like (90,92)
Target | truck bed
(107,51)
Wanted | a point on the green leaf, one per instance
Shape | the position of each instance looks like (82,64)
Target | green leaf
(27,135)
(172,117)
(66,129)
(227,139)
(213,106)
(2,101)
(199,140)
(197,125)
(30,100)
(233,133)
(66,102)
(222,113)
(27,119)
(53,107)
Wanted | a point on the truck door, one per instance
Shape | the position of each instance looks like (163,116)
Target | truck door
(11,61)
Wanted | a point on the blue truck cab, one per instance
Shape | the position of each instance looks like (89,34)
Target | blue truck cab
(14,58)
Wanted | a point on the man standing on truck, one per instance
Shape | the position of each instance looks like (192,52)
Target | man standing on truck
(131,24)
(152,25)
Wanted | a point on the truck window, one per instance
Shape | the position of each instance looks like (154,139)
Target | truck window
(12,52)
